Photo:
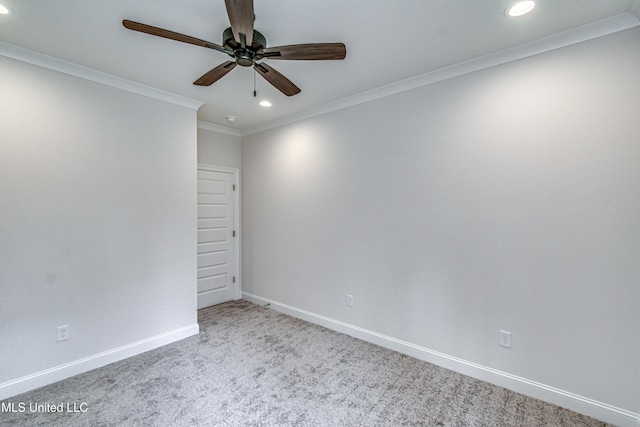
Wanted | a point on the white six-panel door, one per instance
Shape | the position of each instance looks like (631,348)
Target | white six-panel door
(216,237)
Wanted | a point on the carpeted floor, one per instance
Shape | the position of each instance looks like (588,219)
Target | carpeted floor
(251,366)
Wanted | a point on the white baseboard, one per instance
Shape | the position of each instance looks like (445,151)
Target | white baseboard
(599,410)
(57,373)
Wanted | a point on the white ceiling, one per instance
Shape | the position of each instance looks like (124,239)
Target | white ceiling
(387,41)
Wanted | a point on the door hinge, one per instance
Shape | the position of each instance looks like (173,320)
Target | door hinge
(234,187)
(234,279)
(234,233)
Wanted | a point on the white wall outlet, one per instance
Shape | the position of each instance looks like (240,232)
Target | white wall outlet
(63,332)
(505,339)
(349,300)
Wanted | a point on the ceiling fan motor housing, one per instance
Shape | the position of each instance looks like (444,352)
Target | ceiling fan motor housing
(244,57)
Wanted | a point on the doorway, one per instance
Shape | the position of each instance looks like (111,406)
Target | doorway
(218,235)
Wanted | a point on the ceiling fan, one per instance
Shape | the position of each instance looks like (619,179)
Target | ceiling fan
(247,46)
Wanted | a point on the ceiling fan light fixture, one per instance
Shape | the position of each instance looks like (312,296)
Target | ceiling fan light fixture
(265,103)
(247,47)
(4,10)
(521,8)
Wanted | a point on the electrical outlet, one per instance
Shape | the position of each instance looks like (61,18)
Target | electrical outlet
(505,339)
(349,300)
(63,332)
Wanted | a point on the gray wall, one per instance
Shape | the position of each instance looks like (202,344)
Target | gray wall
(94,183)
(504,199)
(219,149)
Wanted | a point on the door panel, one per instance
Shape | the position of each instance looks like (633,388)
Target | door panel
(212,283)
(212,211)
(212,258)
(213,235)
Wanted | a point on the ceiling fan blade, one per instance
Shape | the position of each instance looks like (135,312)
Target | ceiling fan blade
(216,74)
(241,18)
(155,31)
(280,82)
(312,51)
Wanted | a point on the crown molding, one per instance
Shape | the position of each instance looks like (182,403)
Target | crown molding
(580,34)
(217,128)
(34,58)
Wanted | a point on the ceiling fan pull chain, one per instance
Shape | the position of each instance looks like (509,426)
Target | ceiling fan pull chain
(254,83)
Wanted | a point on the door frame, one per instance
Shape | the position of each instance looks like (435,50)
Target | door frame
(237,273)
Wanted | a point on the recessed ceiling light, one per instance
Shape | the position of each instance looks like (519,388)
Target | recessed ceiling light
(521,8)
(231,119)
(265,103)
(4,10)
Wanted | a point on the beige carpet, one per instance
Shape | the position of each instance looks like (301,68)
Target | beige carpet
(251,366)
